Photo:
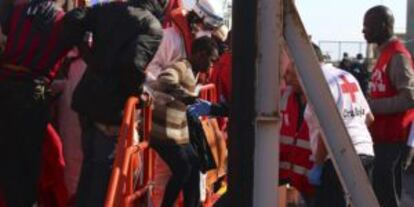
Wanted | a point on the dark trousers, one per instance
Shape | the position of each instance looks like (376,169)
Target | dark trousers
(387,173)
(407,192)
(98,157)
(183,163)
(309,200)
(330,193)
(23,122)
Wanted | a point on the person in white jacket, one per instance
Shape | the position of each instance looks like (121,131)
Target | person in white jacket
(356,115)
(203,19)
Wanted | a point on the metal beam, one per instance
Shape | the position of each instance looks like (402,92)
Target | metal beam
(346,162)
(241,134)
(410,26)
(266,156)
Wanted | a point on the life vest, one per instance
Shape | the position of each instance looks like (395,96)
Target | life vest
(394,127)
(294,145)
(181,23)
(221,76)
(172,5)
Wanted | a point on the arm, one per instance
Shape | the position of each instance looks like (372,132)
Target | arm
(140,53)
(321,152)
(402,77)
(369,119)
(369,116)
(169,82)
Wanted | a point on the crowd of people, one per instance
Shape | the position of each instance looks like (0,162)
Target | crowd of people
(106,52)
(89,60)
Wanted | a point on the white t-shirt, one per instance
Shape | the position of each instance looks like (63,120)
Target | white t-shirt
(352,106)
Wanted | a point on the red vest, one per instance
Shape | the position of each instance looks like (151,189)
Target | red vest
(221,76)
(172,5)
(388,128)
(294,145)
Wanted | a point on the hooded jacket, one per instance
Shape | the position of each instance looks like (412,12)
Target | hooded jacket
(125,38)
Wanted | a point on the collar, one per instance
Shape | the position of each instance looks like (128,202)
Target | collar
(385,44)
(326,65)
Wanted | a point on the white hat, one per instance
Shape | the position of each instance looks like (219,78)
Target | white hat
(211,11)
(221,32)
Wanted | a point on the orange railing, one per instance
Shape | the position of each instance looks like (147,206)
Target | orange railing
(131,157)
(122,190)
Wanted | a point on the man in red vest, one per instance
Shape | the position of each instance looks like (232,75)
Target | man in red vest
(392,100)
(294,138)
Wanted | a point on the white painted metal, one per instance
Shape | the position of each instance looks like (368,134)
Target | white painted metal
(410,26)
(346,162)
(269,35)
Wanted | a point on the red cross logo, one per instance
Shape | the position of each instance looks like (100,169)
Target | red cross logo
(348,87)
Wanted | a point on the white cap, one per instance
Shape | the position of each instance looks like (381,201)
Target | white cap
(211,11)
(221,32)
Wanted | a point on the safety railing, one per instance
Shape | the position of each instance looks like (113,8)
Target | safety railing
(131,157)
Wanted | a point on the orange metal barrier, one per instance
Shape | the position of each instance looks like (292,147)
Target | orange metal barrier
(131,157)
(122,191)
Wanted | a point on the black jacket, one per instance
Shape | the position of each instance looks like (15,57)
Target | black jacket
(125,38)
(199,142)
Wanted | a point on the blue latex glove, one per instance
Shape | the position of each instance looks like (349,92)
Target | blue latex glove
(314,175)
(200,108)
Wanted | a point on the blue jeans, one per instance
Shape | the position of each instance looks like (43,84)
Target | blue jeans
(98,157)
(183,163)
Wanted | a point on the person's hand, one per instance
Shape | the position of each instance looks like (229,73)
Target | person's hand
(41,89)
(408,159)
(314,175)
(198,89)
(199,108)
